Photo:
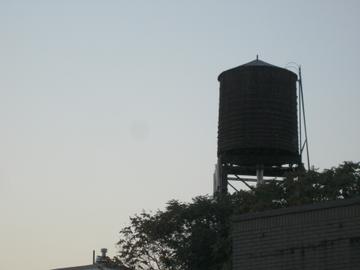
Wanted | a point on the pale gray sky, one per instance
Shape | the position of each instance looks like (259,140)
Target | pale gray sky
(110,107)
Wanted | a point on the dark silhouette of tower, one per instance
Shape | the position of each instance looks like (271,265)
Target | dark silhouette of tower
(258,124)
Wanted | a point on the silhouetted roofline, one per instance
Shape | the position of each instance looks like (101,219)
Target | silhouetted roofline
(297,209)
(257,62)
(254,63)
(91,267)
(83,267)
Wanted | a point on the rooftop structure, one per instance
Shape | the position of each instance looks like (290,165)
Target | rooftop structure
(322,236)
(102,262)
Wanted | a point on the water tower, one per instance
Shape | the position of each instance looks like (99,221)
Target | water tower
(258,124)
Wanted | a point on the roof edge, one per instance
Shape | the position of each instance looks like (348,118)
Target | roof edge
(297,209)
(254,63)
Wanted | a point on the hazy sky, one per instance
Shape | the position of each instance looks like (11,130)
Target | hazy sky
(110,107)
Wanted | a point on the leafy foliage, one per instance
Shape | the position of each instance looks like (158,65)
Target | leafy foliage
(196,235)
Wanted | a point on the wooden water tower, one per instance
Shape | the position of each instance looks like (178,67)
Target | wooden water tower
(258,124)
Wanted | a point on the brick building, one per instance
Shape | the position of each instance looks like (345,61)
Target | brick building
(323,236)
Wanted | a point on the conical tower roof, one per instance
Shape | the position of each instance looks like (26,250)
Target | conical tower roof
(254,63)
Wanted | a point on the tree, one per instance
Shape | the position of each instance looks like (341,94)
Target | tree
(197,236)
(183,236)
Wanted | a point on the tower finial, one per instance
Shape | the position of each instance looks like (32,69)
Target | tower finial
(257,57)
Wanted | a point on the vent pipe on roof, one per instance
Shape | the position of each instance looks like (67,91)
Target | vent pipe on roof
(102,258)
(103,252)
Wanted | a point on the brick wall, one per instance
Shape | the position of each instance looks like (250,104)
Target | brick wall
(323,236)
